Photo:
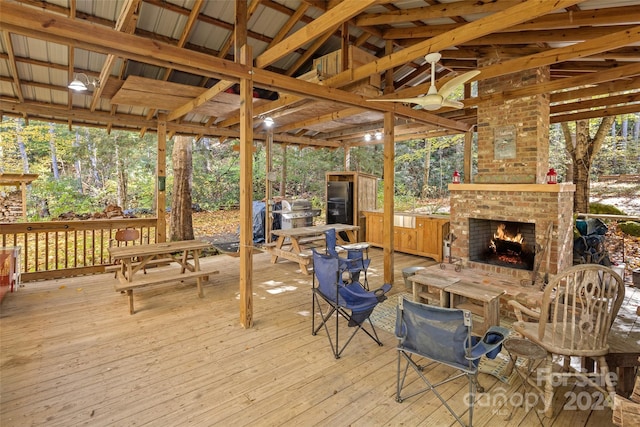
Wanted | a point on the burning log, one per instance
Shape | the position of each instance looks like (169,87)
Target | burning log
(507,246)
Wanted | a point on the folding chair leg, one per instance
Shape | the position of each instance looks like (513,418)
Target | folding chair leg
(432,387)
(337,312)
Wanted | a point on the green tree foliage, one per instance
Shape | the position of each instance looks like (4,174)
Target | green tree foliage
(620,152)
(97,168)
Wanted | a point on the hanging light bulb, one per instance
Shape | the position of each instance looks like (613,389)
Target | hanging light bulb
(81,82)
(378,136)
(367,137)
(268,122)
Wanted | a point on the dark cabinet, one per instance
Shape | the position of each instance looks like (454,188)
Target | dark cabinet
(348,195)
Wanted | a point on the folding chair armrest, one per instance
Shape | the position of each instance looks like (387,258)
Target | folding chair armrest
(384,288)
(518,309)
(490,344)
(357,297)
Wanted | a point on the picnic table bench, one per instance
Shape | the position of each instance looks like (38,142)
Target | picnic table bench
(291,242)
(133,259)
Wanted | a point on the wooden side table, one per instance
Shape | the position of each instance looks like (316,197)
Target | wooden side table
(431,288)
(481,300)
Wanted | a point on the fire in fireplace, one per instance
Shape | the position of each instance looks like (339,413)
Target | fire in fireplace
(502,243)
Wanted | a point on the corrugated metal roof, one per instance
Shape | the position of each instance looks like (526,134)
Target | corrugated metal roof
(43,68)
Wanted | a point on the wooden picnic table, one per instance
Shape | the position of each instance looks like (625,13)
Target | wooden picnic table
(291,242)
(131,260)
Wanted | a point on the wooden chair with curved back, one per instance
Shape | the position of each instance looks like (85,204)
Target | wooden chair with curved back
(578,308)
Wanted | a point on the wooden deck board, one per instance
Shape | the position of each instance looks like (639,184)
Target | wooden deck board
(70,355)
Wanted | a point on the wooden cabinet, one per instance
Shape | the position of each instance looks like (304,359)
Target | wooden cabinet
(432,231)
(348,195)
(412,233)
(373,221)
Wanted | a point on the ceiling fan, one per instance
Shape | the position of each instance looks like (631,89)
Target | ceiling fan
(434,98)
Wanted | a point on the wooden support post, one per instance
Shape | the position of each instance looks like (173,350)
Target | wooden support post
(388,75)
(283,173)
(267,185)
(23,190)
(468,139)
(161,177)
(389,183)
(246,193)
(347,157)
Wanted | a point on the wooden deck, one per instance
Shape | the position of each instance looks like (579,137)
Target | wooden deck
(71,354)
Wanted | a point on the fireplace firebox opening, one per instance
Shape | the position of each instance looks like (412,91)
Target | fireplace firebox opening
(502,243)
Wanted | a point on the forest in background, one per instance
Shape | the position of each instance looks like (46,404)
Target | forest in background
(83,170)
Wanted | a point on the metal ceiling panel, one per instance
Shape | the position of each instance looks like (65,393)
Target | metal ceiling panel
(7,89)
(209,36)
(161,21)
(106,9)
(43,70)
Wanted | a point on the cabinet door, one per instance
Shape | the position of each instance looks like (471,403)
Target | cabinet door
(374,228)
(405,239)
(430,241)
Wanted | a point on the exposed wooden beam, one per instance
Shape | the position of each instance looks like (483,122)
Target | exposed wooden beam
(436,11)
(330,19)
(483,26)
(605,101)
(185,108)
(573,19)
(317,44)
(320,119)
(106,40)
(126,23)
(603,88)
(291,22)
(595,113)
(12,65)
(630,70)
(569,35)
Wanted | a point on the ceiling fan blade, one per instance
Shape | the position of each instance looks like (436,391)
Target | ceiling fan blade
(452,104)
(449,86)
(411,100)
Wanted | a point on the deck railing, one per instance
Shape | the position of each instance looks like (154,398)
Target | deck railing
(57,249)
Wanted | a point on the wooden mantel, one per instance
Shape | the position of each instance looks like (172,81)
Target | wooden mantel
(521,188)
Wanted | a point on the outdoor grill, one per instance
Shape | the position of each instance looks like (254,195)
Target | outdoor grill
(300,214)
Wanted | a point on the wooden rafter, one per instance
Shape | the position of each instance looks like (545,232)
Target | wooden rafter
(591,67)
(330,19)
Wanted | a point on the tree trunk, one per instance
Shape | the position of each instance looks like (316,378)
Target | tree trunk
(181,222)
(582,149)
(93,157)
(54,157)
(78,163)
(22,147)
(121,172)
(424,191)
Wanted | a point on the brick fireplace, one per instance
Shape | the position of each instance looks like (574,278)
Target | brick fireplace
(536,204)
(509,186)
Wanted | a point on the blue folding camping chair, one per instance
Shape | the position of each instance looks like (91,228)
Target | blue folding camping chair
(356,260)
(350,301)
(441,335)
